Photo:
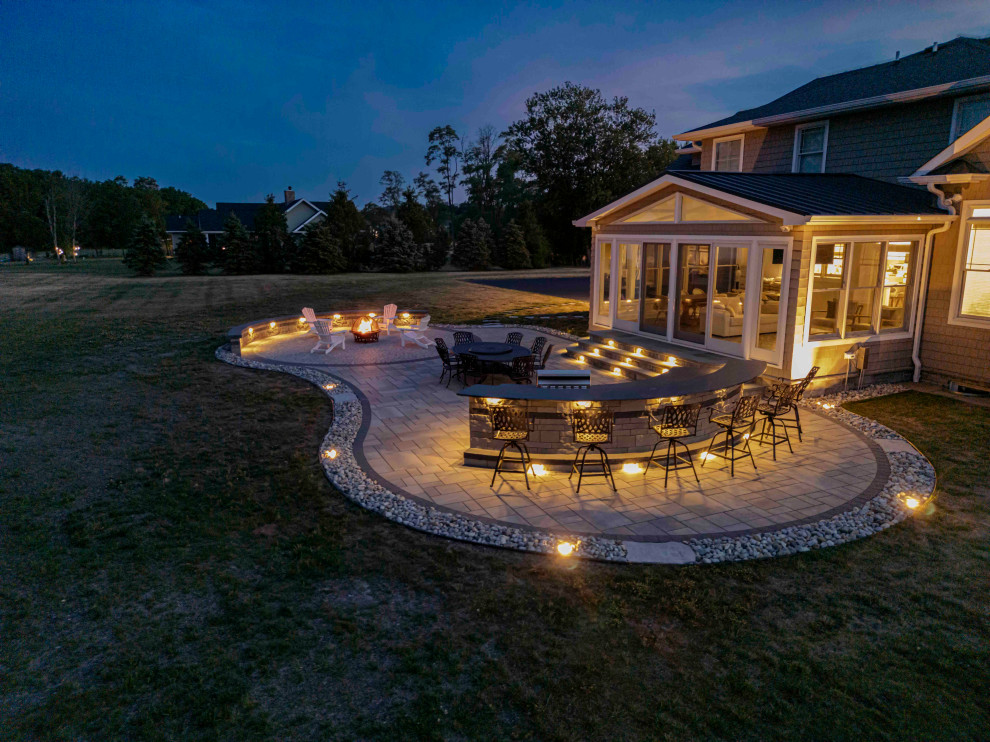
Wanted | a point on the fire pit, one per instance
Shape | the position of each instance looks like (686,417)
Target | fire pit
(365,330)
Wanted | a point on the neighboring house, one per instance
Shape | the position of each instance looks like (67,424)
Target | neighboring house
(299,214)
(853,212)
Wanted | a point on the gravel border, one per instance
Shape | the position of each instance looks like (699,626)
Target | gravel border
(910,473)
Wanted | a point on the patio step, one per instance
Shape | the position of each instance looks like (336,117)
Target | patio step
(609,359)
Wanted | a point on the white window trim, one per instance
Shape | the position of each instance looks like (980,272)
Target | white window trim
(751,314)
(742,149)
(860,337)
(955,318)
(953,134)
(797,144)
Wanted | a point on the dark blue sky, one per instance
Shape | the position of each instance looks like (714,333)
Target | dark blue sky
(233,100)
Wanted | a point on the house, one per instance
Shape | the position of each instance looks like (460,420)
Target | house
(846,222)
(299,214)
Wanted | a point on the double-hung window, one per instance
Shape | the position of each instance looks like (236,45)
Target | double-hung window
(727,156)
(967,113)
(810,145)
(971,289)
(861,288)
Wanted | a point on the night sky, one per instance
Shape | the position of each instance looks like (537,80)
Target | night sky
(233,100)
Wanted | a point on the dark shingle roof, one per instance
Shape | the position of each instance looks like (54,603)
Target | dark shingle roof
(211,220)
(819,194)
(960,59)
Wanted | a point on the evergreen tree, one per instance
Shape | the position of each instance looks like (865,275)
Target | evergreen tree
(192,253)
(319,251)
(349,227)
(438,251)
(144,254)
(472,250)
(240,253)
(414,216)
(536,242)
(396,251)
(271,232)
(514,246)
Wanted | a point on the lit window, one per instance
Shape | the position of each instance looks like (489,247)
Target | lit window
(861,288)
(693,210)
(974,299)
(662,211)
(728,155)
(810,143)
(967,113)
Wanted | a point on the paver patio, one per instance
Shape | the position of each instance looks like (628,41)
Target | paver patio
(417,431)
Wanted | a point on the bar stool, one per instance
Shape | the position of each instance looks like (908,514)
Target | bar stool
(742,417)
(510,425)
(674,422)
(592,428)
(773,409)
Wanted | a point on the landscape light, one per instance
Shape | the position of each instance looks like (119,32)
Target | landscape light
(595,351)
(250,331)
(632,468)
(565,548)
(272,324)
(331,454)
(580,359)
(405,315)
(639,351)
(537,470)
(617,371)
(371,314)
(336,316)
(611,343)
(328,387)
(301,320)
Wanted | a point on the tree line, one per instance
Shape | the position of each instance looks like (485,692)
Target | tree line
(45,210)
(571,152)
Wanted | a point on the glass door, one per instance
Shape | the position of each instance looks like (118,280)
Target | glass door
(770,304)
(656,288)
(627,287)
(603,285)
(691,298)
(727,325)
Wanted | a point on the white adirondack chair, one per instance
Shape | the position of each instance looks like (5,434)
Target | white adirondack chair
(310,316)
(328,340)
(415,333)
(387,319)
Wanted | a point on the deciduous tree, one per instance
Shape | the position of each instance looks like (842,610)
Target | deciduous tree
(443,151)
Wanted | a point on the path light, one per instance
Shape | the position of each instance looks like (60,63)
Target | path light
(632,468)
(617,371)
(611,343)
(493,401)
(537,470)
(329,387)
(580,359)
(566,548)
(331,454)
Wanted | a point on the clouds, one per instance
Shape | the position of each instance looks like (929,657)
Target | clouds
(233,100)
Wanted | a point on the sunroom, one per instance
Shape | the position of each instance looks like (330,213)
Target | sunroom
(788,269)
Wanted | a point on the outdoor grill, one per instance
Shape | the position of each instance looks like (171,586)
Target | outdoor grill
(365,330)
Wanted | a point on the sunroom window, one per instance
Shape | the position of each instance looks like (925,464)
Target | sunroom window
(861,288)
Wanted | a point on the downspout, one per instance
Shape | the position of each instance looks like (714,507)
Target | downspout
(926,258)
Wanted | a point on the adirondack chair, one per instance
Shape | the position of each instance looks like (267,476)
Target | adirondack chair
(328,340)
(387,319)
(310,316)
(415,333)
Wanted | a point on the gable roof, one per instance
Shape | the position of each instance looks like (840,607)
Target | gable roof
(959,64)
(796,198)
(211,220)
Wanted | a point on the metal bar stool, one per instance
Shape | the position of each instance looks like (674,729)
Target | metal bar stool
(592,428)
(772,410)
(794,424)
(742,417)
(511,425)
(674,422)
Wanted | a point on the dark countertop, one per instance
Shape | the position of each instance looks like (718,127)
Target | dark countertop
(678,382)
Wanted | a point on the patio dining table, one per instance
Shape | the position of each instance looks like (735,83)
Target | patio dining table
(492,355)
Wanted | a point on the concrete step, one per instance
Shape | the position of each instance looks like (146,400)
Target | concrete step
(626,357)
(609,363)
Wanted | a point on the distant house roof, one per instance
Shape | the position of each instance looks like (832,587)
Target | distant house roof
(211,220)
(955,61)
(684,162)
(796,198)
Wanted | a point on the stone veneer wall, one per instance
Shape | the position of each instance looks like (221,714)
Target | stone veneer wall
(242,336)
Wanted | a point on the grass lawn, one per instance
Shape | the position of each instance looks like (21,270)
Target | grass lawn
(174,565)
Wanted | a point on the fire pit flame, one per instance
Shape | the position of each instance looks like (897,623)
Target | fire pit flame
(365,330)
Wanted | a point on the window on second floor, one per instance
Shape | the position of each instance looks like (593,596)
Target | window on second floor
(810,144)
(967,113)
(727,156)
